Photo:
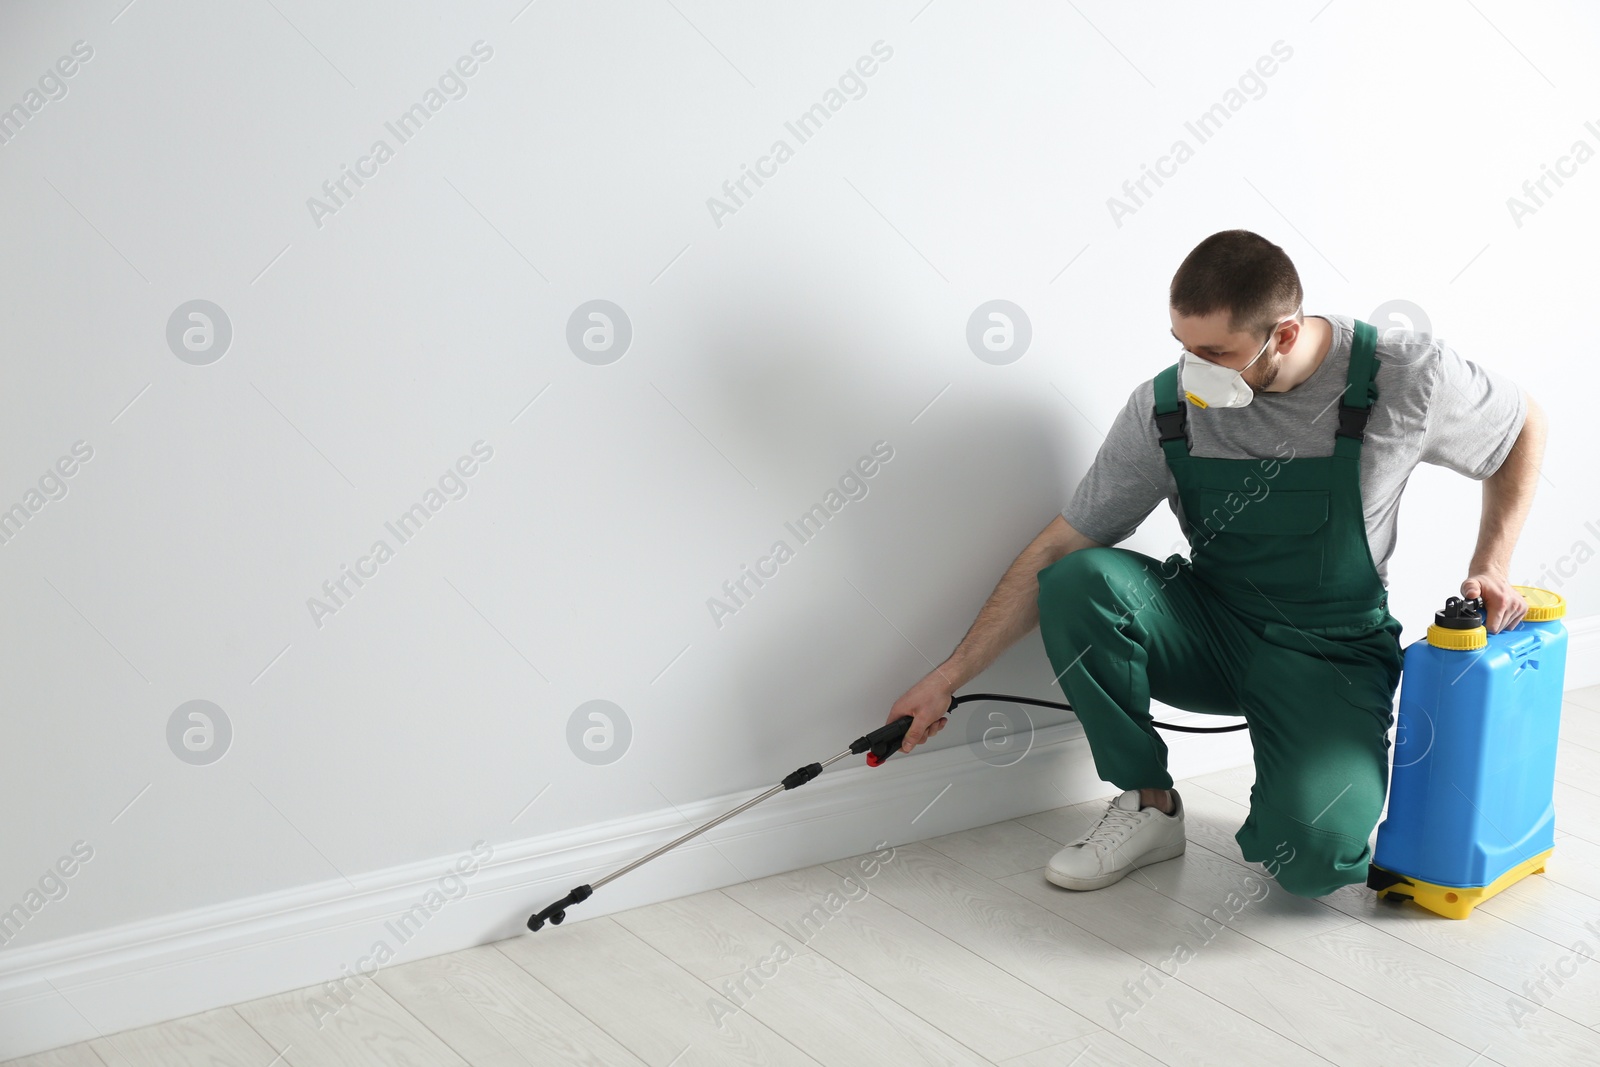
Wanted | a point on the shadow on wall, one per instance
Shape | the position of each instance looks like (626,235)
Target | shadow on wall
(885,587)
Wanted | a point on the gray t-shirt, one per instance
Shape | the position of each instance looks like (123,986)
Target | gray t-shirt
(1432,407)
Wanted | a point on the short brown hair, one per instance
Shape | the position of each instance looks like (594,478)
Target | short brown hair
(1242,273)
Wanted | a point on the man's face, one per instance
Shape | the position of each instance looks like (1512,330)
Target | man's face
(1208,337)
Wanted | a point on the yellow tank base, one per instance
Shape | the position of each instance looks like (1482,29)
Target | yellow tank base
(1453,902)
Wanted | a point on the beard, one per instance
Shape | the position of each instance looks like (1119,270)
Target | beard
(1267,374)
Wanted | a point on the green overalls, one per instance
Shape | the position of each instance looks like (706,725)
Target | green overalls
(1278,615)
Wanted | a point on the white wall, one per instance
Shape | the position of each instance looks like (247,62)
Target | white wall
(372,348)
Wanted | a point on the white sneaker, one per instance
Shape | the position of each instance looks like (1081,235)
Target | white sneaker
(1126,836)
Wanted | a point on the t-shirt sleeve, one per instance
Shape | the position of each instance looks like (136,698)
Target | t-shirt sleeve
(1474,415)
(1127,478)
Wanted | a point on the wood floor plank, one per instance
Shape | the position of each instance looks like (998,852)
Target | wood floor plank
(495,1014)
(1202,950)
(1203,880)
(1491,947)
(1210,821)
(707,934)
(836,1018)
(1507,1028)
(999,849)
(1233,783)
(1484,944)
(653,1007)
(219,1038)
(1549,908)
(977,1003)
(1102,1049)
(1589,698)
(1575,863)
(1580,725)
(1578,812)
(1072,965)
(1578,766)
(79,1055)
(366,1029)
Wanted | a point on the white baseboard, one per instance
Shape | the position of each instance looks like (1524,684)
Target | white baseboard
(100,983)
(1583,652)
(106,981)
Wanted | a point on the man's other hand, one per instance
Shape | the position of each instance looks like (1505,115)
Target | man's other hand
(1503,606)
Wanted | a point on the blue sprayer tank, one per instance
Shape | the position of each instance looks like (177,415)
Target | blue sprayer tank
(1471,792)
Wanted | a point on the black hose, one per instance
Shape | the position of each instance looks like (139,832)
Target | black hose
(956,701)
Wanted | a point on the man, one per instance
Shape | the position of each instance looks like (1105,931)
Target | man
(1282,443)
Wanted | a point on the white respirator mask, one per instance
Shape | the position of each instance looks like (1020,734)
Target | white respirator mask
(1209,385)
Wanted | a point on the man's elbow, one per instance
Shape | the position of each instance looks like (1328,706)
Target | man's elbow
(1534,427)
(1527,451)
(1058,539)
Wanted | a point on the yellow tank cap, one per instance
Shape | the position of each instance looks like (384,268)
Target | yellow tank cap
(1543,604)
(1460,640)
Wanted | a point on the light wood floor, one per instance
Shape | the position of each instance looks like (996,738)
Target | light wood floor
(957,951)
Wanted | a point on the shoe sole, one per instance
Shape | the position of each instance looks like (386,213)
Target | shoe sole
(1066,881)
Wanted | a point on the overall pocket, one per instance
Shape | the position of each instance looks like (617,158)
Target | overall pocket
(1273,541)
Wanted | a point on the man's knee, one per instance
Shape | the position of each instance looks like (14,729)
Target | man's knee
(1117,581)
(1305,860)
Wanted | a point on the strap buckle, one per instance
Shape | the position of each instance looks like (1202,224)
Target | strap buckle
(1170,426)
(1352,422)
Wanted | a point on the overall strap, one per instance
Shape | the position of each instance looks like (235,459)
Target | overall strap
(1360,390)
(1170,416)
